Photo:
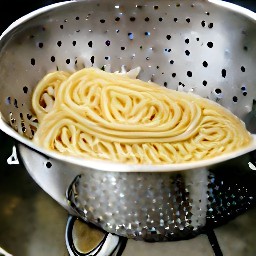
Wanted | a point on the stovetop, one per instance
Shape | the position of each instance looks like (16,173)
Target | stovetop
(33,224)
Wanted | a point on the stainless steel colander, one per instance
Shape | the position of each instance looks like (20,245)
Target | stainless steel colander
(205,47)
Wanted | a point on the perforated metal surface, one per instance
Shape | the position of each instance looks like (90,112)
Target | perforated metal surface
(148,206)
(185,45)
(196,46)
(154,205)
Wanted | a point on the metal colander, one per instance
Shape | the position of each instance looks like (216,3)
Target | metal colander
(205,47)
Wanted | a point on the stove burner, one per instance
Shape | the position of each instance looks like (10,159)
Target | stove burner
(214,242)
(85,239)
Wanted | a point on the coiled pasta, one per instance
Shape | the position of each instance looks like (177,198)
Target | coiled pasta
(96,114)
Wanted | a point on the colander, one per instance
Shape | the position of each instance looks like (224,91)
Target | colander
(200,46)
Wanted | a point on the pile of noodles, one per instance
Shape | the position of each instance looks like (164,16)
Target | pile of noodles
(101,115)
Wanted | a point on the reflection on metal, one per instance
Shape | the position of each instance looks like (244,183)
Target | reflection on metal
(252,166)
(4,253)
(13,159)
(85,239)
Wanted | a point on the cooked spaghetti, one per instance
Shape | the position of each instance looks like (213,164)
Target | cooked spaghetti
(96,114)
